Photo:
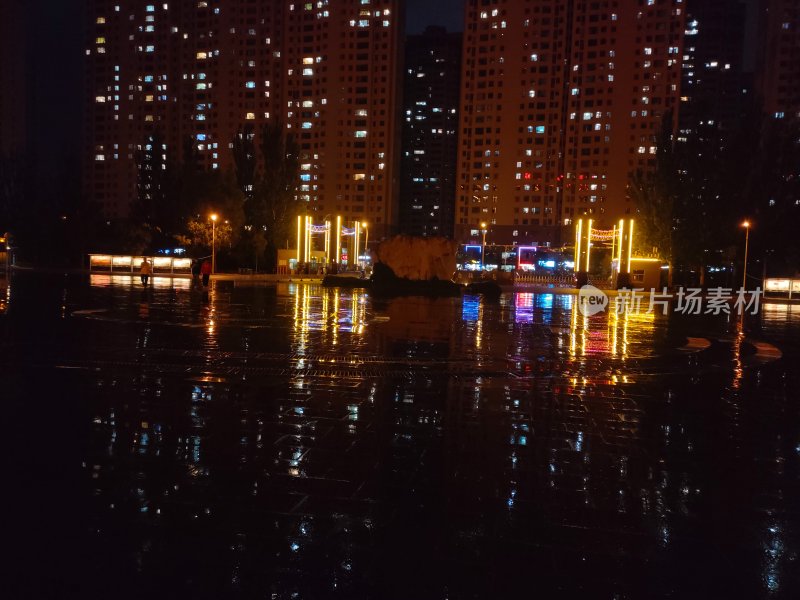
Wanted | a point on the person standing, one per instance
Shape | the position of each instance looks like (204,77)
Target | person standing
(145,269)
(195,271)
(205,271)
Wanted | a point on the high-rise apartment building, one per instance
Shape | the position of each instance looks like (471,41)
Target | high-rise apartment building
(778,81)
(342,69)
(430,132)
(561,101)
(714,87)
(200,72)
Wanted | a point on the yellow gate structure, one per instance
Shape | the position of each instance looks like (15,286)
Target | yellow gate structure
(621,238)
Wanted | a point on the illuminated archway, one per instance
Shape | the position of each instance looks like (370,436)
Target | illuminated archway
(620,236)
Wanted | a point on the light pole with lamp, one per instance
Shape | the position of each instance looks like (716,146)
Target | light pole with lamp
(214,218)
(746,226)
(483,247)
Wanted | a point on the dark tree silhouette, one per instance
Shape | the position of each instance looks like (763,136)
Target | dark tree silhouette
(269,181)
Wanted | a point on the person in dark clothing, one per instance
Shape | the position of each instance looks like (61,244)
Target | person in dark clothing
(205,271)
(195,271)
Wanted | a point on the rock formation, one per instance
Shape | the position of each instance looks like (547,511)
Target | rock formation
(417,258)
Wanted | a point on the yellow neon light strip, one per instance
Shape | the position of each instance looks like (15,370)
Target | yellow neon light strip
(630,242)
(578,230)
(327,241)
(308,238)
(338,239)
(298,237)
(614,243)
(355,250)
(588,244)
(619,246)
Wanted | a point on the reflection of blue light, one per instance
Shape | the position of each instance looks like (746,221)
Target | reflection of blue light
(569,264)
(545,301)
(470,308)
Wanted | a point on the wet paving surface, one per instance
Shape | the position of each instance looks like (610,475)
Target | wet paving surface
(290,441)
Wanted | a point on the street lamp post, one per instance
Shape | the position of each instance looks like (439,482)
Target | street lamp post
(746,226)
(214,218)
(483,247)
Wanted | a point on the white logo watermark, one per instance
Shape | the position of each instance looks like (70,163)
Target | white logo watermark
(689,301)
(591,300)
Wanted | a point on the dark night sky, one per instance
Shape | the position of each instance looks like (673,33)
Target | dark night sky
(55,91)
(421,13)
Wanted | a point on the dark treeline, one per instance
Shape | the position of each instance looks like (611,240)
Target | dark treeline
(255,202)
(705,184)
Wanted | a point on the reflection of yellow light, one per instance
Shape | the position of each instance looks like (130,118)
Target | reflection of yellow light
(335,318)
(613,323)
(584,328)
(573,326)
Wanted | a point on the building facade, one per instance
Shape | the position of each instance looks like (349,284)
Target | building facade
(778,81)
(430,132)
(191,75)
(561,101)
(714,86)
